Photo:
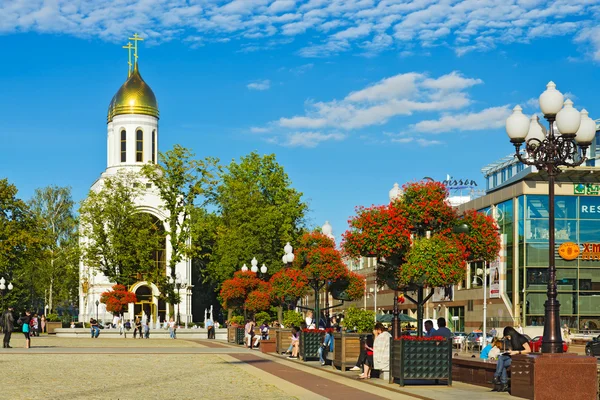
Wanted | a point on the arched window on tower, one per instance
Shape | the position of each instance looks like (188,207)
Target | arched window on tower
(154,146)
(139,146)
(123,146)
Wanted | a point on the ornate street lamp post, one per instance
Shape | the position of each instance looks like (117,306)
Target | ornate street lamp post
(288,256)
(3,288)
(97,304)
(254,268)
(178,284)
(563,144)
(395,193)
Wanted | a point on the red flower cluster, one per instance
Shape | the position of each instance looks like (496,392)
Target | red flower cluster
(235,291)
(483,240)
(260,299)
(422,338)
(377,231)
(288,283)
(356,285)
(326,330)
(117,299)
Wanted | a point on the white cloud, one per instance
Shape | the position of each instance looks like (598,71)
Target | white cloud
(257,129)
(490,118)
(308,139)
(334,25)
(393,97)
(259,85)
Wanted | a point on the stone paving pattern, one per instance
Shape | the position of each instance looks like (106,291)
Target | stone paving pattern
(64,368)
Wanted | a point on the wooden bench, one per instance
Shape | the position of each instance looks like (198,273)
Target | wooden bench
(474,371)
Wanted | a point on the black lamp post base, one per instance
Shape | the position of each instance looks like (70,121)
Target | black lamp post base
(552,340)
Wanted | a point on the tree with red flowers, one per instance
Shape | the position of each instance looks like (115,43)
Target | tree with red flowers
(317,265)
(416,241)
(235,291)
(117,299)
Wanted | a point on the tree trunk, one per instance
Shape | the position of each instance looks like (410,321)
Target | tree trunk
(280,314)
(50,297)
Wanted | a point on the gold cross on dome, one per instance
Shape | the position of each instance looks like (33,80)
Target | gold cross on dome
(129,65)
(135,39)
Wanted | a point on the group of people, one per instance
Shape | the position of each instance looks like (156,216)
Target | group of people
(28,325)
(251,339)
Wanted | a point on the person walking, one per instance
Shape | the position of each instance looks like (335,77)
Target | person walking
(147,331)
(24,321)
(8,324)
(172,331)
(35,325)
(137,327)
(210,328)
(43,323)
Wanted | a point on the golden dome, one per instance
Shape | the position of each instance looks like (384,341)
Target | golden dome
(134,97)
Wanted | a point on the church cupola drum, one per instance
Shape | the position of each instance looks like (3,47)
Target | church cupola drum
(132,118)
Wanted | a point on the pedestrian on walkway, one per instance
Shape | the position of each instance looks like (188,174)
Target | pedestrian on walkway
(24,321)
(43,323)
(172,330)
(8,324)
(210,328)
(147,331)
(249,332)
(137,327)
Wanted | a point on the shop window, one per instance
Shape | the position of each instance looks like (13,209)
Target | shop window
(589,278)
(589,303)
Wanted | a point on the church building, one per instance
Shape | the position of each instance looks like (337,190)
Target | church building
(132,141)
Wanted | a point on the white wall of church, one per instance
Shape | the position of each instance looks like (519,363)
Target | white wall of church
(150,202)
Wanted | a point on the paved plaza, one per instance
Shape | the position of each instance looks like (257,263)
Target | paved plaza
(64,368)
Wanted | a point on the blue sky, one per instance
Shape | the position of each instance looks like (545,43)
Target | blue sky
(352,95)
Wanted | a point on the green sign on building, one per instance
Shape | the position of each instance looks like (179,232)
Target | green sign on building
(589,189)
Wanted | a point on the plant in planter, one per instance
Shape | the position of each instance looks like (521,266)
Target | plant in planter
(415,242)
(292,318)
(358,320)
(235,291)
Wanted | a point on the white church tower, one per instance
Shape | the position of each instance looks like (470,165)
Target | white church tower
(132,141)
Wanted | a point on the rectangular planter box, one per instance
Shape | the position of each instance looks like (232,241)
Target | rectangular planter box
(346,349)
(239,335)
(231,334)
(309,344)
(268,346)
(51,326)
(283,339)
(421,360)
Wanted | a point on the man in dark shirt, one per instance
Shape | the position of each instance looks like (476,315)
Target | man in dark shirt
(442,330)
(8,323)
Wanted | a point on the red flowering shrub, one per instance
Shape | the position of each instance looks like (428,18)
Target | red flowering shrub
(434,262)
(377,231)
(259,300)
(483,240)
(117,299)
(424,203)
(308,242)
(325,263)
(356,286)
(234,291)
(326,330)
(421,338)
(288,284)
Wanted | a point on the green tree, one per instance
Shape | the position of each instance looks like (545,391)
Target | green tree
(181,181)
(53,209)
(120,240)
(20,244)
(259,211)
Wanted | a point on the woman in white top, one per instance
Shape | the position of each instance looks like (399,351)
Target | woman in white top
(381,348)
(310,323)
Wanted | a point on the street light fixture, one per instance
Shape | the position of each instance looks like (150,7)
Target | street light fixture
(564,144)
(288,256)
(97,304)
(3,287)
(178,283)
